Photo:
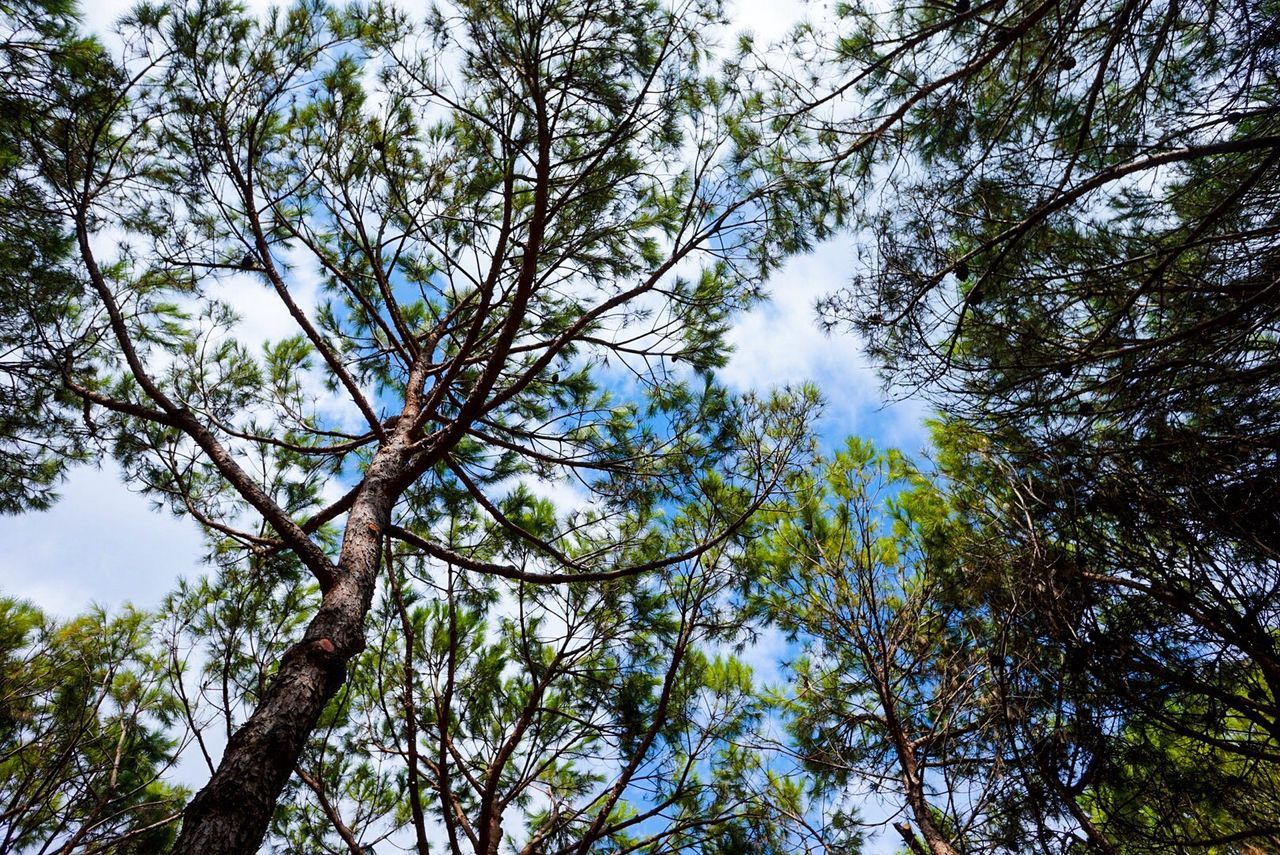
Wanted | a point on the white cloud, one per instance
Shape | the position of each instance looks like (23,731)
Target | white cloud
(779,343)
(100,544)
(767,20)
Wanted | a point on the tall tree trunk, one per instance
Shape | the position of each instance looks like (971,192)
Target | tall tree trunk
(229,816)
(933,836)
(912,776)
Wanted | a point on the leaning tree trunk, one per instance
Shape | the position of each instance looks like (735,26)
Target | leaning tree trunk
(229,816)
(912,777)
(934,839)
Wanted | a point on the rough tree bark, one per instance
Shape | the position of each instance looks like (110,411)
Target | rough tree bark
(231,813)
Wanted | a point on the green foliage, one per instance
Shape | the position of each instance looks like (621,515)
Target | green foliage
(592,715)
(510,240)
(1110,681)
(1074,256)
(491,193)
(40,293)
(957,661)
(892,690)
(86,712)
(1084,262)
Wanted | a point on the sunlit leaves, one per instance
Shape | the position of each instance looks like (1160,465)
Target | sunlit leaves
(85,714)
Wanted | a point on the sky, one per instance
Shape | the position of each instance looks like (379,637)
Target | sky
(136,553)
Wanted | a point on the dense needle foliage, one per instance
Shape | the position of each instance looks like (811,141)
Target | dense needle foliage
(418,315)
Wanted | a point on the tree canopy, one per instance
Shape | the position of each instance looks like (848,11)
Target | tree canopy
(418,315)
(1073,256)
(467,220)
